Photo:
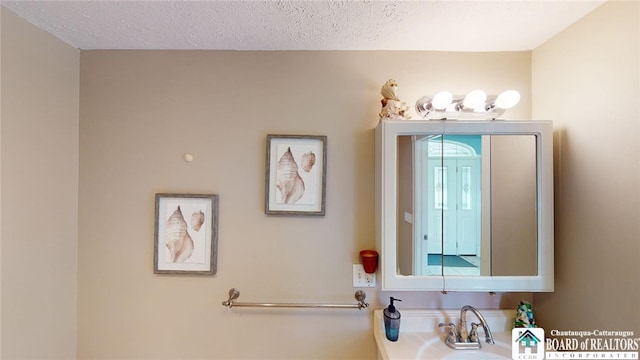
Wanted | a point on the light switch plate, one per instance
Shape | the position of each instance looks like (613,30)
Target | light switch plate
(361,278)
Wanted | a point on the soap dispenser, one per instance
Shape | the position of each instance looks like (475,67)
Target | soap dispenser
(392,321)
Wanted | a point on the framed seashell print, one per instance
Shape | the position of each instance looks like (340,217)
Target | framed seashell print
(296,172)
(186,234)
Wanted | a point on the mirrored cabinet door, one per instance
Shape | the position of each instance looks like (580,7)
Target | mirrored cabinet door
(465,202)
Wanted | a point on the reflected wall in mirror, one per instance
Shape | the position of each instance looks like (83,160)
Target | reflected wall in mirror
(467,205)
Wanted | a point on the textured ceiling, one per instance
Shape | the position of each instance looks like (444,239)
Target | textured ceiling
(508,25)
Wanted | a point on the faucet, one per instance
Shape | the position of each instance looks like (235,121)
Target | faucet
(463,335)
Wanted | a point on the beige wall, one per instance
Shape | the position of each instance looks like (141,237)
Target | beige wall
(587,80)
(1,16)
(40,93)
(513,204)
(142,110)
(405,205)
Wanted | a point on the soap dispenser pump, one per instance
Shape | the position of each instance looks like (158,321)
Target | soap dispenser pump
(392,320)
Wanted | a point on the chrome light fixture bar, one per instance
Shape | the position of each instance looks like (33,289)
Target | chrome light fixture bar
(476,105)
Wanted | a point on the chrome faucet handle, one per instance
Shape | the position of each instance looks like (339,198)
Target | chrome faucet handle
(452,335)
(473,334)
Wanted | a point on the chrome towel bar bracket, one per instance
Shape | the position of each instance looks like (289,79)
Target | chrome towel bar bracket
(234,294)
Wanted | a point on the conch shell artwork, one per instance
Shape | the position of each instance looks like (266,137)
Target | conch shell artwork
(288,181)
(308,160)
(392,107)
(197,219)
(179,243)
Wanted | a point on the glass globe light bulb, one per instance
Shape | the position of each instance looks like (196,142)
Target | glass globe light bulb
(475,99)
(442,100)
(507,99)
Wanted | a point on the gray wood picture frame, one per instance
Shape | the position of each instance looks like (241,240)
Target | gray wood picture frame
(185,234)
(296,174)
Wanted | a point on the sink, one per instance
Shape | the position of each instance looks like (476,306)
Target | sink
(500,350)
(421,337)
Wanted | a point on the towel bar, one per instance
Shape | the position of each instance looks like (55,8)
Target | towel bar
(234,294)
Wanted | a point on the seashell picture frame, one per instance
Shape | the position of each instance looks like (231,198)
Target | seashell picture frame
(296,172)
(185,234)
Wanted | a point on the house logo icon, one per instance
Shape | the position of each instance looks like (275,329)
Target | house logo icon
(527,343)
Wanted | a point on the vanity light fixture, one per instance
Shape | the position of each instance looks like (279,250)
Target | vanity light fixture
(476,105)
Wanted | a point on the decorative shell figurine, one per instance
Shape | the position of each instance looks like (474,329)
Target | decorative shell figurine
(197,219)
(392,107)
(179,243)
(308,160)
(288,181)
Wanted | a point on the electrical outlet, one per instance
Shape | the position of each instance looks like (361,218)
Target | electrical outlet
(361,278)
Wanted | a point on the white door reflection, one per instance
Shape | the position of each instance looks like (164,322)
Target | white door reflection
(451,169)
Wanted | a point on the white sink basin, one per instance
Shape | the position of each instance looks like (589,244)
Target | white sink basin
(421,337)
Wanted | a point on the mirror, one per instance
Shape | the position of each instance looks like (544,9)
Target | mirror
(465,205)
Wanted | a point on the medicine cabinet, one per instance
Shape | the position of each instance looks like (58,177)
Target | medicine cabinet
(465,205)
